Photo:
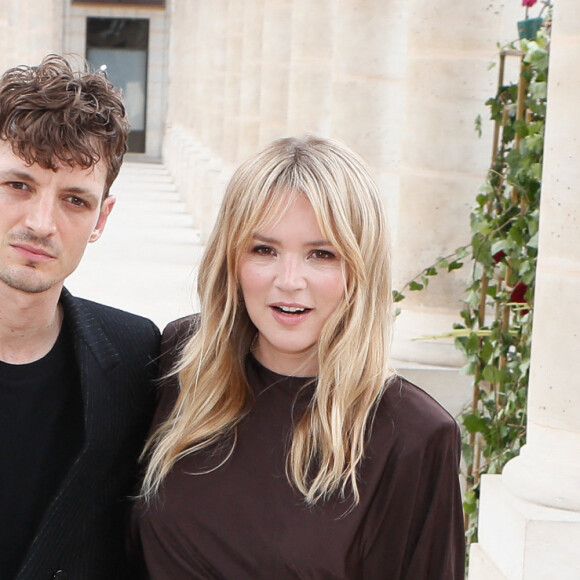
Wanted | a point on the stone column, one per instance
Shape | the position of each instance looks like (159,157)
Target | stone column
(25,38)
(443,163)
(251,73)
(530,516)
(231,118)
(212,77)
(275,70)
(312,43)
(369,66)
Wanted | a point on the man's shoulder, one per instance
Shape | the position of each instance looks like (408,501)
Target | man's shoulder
(114,315)
(98,324)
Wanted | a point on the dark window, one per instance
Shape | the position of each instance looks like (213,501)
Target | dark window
(120,47)
(158,3)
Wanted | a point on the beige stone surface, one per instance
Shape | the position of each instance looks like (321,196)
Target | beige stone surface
(521,540)
(29,30)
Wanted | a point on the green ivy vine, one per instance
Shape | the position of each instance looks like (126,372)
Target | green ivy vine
(494,334)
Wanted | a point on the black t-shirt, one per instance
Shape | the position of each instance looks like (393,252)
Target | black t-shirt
(41,429)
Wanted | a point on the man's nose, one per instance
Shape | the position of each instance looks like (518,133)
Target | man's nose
(41,215)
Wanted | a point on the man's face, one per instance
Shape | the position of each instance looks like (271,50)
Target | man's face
(46,220)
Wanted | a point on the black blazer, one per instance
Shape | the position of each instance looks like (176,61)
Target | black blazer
(81,536)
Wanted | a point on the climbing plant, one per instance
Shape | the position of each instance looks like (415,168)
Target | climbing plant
(495,327)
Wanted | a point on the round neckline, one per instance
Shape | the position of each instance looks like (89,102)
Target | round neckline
(279,376)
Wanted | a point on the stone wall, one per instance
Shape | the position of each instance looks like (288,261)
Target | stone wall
(29,30)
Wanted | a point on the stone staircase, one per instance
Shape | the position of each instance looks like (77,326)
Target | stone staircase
(147,258)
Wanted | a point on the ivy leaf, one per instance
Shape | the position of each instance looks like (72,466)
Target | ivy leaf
(536,56)
(482,250)
(539,90)
(490,373)
(533,241)
(413,285)
(472,343)
(470,503)
(536,170)
(475,423)
(398,296)
(521,128)
(455,265)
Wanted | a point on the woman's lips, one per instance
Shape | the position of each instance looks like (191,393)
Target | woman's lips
(290,315)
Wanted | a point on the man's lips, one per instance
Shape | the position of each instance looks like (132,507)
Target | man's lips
(33,253)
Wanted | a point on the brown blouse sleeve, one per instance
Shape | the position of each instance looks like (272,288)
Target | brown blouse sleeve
(175,336)
(418,493)
(439,549)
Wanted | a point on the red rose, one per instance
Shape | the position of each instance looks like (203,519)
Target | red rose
(528,3)
(518,295)
(498,256)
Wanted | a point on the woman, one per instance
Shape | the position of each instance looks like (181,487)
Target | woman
(285,447)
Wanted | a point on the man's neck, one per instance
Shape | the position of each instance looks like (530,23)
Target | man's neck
(29,324)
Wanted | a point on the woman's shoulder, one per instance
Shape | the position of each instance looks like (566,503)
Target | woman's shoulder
(412,414)
(179,330)
(174,337)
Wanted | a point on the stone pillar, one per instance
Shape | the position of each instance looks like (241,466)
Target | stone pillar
(369,67)
(275,70)
(233,65)
(248,137)
(212,78)
(530,515)
(312,44)
(25,38)
(443,163)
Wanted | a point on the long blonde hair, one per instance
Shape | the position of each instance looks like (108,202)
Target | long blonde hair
(328,441)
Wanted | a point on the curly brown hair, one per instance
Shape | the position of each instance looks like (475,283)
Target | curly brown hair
(53,115)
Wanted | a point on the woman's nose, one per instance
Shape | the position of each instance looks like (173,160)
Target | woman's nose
(291,274)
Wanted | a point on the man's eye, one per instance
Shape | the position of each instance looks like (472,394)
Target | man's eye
(74,200)
(18,185)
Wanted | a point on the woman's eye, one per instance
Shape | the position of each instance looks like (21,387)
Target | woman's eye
(263,250)
(323,255)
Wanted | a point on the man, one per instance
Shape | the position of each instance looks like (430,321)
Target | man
(76,377)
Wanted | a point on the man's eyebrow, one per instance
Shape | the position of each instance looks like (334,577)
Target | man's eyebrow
(81,191)
(17,174)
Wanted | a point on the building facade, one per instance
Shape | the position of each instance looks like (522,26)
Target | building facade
(209,83)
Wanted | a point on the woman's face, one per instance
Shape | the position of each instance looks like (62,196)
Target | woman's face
(292,280)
